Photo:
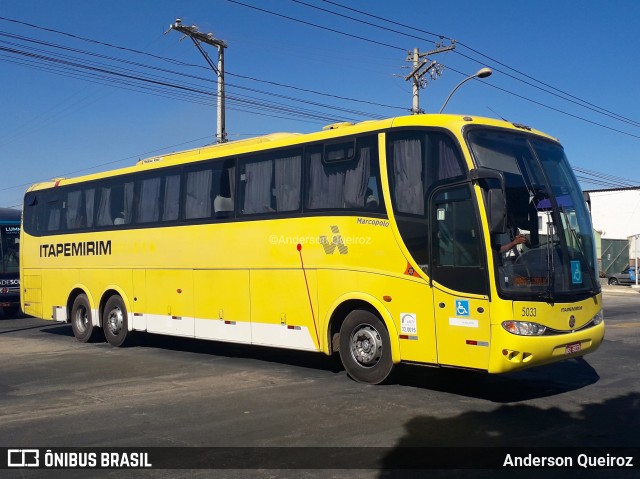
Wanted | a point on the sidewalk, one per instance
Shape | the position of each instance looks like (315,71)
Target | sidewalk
(618,289)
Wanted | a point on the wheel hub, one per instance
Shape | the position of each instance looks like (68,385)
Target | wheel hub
(82,319)
(366,345)
(114,321)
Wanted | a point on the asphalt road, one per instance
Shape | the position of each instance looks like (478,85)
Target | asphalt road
(57,392)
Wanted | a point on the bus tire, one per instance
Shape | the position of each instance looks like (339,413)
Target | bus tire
(82,321)
(115,323)
(365,348)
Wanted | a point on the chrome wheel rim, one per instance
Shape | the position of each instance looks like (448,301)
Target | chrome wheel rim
(115,321)
(366,345)
(82,319)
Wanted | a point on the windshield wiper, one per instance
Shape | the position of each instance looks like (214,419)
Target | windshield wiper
(551,273)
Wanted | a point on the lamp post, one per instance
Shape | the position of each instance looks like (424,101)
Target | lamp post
(482,73)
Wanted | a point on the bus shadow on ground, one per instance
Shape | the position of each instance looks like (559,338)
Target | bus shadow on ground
(610,423)
(160,342)
(303,359)
(543,381)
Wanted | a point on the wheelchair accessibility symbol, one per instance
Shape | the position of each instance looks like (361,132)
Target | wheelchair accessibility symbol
(462,307)
(576,272)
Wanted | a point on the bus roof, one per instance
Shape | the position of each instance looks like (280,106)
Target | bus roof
(10,216)
(275,140)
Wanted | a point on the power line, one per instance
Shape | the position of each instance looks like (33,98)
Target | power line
(605,184)
(567,96)
(362,21)
(139,155)
(315,25)
(553,108)
(618,181)
(318,26)
(438,36)
(238,99)
(191,65)
(316,92)
(189,93)
(127,75)
(488,84)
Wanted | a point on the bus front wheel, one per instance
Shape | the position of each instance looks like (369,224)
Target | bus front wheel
(365,348)
(82,321)
(115,323)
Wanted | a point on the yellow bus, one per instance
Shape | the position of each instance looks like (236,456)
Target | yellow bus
(440,240)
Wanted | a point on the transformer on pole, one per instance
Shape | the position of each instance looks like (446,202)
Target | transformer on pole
(421,66)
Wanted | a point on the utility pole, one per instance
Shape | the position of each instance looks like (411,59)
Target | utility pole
(197,37)
(422,65)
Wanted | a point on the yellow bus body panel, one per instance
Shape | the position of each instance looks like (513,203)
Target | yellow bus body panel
(527,351)
(279,282)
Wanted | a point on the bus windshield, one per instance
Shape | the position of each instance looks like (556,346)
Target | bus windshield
(548,250)
(9,243)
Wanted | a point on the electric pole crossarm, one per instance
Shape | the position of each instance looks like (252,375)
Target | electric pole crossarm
(197,37)
(416,71)
(193,32)
(421,66)
(438,50)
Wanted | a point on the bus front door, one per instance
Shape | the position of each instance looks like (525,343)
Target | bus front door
(460,279)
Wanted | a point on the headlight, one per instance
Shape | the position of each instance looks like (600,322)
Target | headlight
(524,328)
(598,318)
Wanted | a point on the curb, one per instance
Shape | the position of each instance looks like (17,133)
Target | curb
(619,290)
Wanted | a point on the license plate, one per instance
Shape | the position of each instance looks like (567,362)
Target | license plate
(572,348)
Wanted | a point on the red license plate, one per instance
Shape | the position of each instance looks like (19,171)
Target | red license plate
(572,348)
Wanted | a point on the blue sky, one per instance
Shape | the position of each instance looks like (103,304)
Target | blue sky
(63,124)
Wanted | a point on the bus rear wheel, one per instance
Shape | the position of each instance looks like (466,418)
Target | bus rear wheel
(115,323)
(82,321)
(365,348)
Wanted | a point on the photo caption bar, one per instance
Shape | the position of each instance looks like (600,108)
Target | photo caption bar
(377,458)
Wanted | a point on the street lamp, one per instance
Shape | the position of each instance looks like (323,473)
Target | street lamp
(482,73)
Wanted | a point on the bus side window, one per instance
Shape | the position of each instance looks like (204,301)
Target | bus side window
(32,213)
(344,176)
(53,213)
(79,209)
(287,182)
(171,198)
(115,204)
(148,200)
(457,255)
(271,184)
(198,194)
(224,187)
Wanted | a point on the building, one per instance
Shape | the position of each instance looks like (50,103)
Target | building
(616,217)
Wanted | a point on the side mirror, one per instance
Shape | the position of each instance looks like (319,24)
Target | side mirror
(497,209)
(492,182)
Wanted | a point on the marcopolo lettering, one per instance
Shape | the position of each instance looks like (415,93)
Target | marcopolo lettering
(81,248)
(367,221)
